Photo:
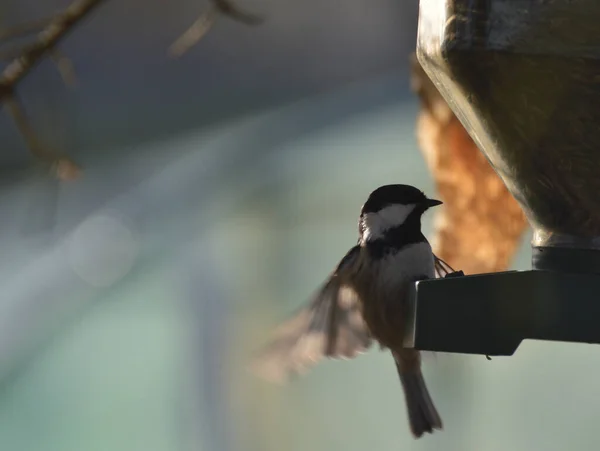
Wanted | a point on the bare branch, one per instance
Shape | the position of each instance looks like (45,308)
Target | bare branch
(62,167)
(16,111)
(64,66)
(228,9)
(48,38)
(62,62)
(53,31)
(193,34)
(9,53)
(66,169)
(206,21)
(21,60)
(24,29)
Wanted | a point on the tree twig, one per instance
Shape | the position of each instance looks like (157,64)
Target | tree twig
(24,29)
(227,8)
(64,66)
(47,39)
(15,110)
(206,21)
(192,35)
(53,31)
(62,62)
(62,167)
(10,52)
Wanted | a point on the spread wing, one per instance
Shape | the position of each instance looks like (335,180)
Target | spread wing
(330,326)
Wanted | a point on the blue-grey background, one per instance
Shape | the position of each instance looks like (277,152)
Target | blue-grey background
(219,190)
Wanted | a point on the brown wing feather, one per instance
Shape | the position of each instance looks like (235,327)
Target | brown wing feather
(330,326)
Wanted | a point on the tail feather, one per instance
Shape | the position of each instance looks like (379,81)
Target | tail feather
(422,414)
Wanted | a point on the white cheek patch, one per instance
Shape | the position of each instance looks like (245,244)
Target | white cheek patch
(392,216)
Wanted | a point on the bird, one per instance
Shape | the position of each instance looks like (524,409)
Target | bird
(365,299)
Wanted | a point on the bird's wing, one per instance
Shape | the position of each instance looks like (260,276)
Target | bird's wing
(330,326)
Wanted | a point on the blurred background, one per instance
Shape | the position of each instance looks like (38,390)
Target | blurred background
(219,190)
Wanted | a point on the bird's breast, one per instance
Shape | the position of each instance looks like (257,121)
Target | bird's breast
(405,265)
(383,287)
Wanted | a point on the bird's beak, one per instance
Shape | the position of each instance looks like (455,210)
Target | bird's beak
(432,203)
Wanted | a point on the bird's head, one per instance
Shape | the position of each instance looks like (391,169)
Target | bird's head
(391,206)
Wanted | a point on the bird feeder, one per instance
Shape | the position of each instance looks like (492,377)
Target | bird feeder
(523,77)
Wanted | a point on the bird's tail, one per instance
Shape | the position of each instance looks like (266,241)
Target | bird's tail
(422,414)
